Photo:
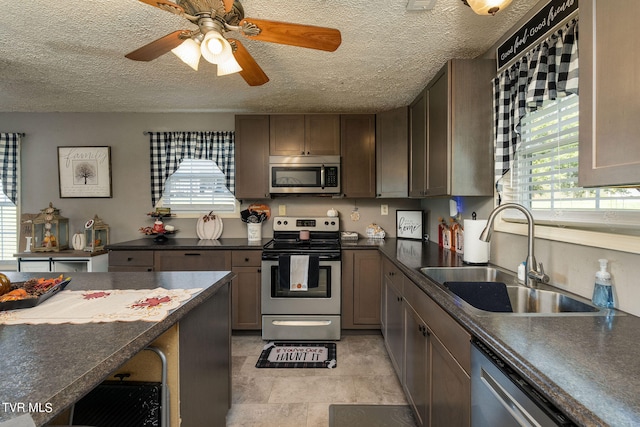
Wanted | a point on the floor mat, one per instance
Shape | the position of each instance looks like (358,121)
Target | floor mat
(298,355)
(371,416)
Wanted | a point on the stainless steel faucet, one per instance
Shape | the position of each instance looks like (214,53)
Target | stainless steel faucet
(535,271)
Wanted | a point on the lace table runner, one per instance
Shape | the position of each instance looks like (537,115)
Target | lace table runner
(77,307)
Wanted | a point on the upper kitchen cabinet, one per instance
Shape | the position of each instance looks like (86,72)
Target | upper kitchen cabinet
(609,88)
(358,146)
(451,144)
(311,134)
(252,156)
(392,153)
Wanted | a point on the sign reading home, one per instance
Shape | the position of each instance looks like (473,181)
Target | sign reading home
(298,355)
(548,18)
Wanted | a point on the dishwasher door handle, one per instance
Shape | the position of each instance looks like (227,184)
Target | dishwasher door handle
(508,401)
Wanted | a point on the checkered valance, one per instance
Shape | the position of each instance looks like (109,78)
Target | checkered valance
(9,151)
(548,71)
(168,149)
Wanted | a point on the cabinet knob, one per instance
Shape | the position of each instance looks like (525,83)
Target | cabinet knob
(259,270)
(129,259)
(246,260)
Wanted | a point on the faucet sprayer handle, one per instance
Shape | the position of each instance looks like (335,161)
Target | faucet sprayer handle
(539,274)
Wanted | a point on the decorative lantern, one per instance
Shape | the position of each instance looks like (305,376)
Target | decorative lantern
(50,231)
(96,234)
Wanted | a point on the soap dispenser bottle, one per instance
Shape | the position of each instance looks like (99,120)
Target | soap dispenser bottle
(603,289)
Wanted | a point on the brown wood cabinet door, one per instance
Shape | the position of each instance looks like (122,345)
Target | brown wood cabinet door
(609,87)
(392,156)
(322,134)
(252,156)
(192,260)
(416,379)
(130,260)
(358,155)
(438,136)
(245,298)
(450,388)
(361,289)
(418,146)
(286,135)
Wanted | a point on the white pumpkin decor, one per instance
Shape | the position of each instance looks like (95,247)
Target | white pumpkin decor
(209,226)
(79,241)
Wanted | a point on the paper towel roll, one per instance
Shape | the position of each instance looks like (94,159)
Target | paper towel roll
(475,250)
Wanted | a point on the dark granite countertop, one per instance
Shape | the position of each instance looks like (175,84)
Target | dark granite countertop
(52,366)
(187,244)
(587,365)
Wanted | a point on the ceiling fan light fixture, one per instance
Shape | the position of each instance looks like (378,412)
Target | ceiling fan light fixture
(230,66)
(189,53)
(487,7)
(215,48)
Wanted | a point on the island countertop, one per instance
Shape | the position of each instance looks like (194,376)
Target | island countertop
(46,368)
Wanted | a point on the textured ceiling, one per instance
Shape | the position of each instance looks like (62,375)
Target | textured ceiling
(68,56)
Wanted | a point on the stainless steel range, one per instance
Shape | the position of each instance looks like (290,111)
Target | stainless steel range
(291,311)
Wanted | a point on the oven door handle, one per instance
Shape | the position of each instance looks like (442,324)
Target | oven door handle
(301,322)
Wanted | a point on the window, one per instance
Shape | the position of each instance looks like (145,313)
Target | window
(8,228)
(544,176)
(198,186)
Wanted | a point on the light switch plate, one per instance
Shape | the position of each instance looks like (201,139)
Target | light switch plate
(282,210)
(384,209)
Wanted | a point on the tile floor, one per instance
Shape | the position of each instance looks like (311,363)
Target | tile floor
(301,397)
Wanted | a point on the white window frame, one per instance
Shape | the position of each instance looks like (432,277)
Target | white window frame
(196,210)
(591,233)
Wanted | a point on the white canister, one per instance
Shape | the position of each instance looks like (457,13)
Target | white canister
(254,231)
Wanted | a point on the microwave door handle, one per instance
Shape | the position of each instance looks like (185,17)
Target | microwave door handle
(322,183)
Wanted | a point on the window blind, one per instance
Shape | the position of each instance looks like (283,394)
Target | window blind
(545,173)
(198,186)
(8,228)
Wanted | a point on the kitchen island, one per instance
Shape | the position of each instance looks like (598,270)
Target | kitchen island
(48,367)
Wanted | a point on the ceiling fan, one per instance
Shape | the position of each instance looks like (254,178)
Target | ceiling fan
(214,19)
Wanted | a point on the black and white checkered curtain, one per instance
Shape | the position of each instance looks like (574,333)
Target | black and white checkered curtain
(548,71)
(168,149)
(9,151)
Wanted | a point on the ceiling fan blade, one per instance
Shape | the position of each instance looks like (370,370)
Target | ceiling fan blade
(309,36)
(228,4)
(157,48)
(251,71)
(158,3)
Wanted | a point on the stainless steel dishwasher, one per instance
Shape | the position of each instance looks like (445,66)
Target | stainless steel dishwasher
(501,397)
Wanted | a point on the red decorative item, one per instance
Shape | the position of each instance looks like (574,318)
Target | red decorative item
(151,302)
(96,295)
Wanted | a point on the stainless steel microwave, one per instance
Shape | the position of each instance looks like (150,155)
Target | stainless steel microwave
(304,174)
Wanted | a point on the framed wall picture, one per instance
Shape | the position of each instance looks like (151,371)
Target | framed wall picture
(410,224)
(84,171)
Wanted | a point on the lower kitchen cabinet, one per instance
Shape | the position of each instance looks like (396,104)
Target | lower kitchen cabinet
(245,290)
(430,351)
(393,315)
(416,374)
(361,289)
(130,261)
(172,260)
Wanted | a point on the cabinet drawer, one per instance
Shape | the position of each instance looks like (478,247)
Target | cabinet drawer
(246,258)
(207,260)
(131,258)
(454,337)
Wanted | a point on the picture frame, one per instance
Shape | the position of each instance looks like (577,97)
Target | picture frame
(84,171)
(410,224)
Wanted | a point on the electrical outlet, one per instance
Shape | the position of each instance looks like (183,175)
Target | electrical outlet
(384,209)
(282,210)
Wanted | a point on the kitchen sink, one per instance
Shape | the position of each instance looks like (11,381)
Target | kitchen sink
(492,291)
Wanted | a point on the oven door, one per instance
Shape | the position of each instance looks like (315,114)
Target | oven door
(324,299)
